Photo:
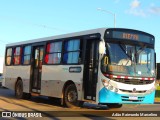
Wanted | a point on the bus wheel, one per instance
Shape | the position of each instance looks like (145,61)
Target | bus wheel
(54,100)
(71,96)
(27,96)
(114,105)
(19,89)
(81,103)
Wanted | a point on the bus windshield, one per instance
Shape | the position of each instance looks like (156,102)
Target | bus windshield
(129,60)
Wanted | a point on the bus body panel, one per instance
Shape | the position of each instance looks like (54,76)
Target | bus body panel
(55,76)
(13,73)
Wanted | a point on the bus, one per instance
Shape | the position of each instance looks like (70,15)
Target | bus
(107,66)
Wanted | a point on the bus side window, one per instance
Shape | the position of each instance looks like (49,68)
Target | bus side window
(9,56)
(72,52)
(17,56)
(26,55)
(53,51)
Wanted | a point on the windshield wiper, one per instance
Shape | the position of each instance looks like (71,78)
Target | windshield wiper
(123,49)
(141,49)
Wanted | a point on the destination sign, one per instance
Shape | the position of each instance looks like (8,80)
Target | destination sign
(130,36)
(133,35)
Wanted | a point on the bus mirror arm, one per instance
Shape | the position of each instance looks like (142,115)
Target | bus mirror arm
(155,60)
(105,60)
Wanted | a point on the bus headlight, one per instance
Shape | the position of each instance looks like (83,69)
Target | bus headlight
(151,90)
(116,89)
(105,82)
(110,87)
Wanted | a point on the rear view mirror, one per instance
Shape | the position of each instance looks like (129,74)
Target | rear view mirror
(102,47)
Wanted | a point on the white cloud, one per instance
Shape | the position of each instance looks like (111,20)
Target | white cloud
(137,10)
(154,9)
(135,4)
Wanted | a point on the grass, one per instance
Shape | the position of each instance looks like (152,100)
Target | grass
(157,99)
(157,95)
(158,88)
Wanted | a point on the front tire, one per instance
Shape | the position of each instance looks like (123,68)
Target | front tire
(19,90)
(54,100)
(114,105)
(71,96)
(27,96)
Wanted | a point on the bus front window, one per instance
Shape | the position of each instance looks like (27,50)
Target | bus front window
(129,60)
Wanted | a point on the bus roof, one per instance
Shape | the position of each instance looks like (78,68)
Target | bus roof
(74,34)
(99,30)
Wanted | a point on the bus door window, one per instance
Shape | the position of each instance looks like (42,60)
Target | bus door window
(37,67)
(36,57)
(40,61)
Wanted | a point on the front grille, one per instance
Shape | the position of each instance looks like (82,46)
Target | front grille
(130,91)
(132,100)
(133,81)
(126,99)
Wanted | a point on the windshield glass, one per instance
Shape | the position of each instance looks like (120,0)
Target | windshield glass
(129,60)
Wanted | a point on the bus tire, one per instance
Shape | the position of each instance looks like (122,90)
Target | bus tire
(27,96)
(19,90)
(56,101)
(71,96)
(114,105)
(81,103)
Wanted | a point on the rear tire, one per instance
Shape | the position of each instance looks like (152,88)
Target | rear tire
(71,96)
(19,90)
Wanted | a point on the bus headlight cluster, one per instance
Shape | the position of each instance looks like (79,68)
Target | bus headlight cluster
(105,82)
(116,89)
(108,86)
(151,90)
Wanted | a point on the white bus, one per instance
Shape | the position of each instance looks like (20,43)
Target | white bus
(109,66)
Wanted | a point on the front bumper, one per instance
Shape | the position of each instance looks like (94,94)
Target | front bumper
(107,96)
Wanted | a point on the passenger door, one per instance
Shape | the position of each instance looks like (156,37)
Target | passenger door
(37,59)
(91,69)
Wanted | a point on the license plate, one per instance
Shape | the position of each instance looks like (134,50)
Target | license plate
(133,98)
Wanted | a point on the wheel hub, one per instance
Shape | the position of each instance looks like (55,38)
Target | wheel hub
(72,96)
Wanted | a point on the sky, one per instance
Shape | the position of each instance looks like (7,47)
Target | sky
(30,19)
